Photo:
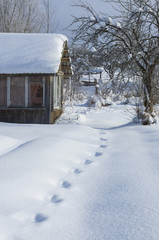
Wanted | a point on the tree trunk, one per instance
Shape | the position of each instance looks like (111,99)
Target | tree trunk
(148,101)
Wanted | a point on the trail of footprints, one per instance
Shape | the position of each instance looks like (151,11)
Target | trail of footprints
(56,199)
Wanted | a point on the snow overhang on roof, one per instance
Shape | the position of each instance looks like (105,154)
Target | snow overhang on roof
(30,53)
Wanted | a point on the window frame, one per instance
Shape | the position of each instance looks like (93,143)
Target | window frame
(26,105)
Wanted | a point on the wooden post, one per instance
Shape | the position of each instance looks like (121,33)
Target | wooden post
(89,77)
(26,91)
(8,91)
(100,75)
(96,87)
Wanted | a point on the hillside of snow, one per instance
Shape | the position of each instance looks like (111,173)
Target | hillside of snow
(91,176)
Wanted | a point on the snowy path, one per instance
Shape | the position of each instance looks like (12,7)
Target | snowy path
(98,181)
(126,192)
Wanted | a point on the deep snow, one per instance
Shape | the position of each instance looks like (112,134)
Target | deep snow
(30,53)
(91,176)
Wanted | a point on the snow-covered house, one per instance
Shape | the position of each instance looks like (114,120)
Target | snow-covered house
(32,69)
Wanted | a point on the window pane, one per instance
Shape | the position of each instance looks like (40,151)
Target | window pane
(60,92)
(57,93)
(35,94)
(3,91)
(55,97)
(17,92)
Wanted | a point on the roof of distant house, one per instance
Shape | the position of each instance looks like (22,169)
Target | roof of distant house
(30,53)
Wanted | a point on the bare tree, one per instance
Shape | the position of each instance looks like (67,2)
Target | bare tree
(50,16)
(133,42)
(20,16)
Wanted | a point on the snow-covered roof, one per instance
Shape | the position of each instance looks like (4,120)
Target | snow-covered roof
(30,53)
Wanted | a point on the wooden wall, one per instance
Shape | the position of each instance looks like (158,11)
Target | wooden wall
(23,115)
(44,115)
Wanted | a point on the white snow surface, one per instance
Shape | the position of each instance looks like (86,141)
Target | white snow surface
(91,176)
(30,53)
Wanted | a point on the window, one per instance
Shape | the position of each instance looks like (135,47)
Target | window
(17,92)
(36,91)
(55,95)
(22,91)
(57,92)
(3,91)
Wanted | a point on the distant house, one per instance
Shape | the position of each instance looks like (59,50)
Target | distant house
(91,77)
(32,70)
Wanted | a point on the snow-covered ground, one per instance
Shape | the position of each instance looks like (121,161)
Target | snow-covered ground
(93,175)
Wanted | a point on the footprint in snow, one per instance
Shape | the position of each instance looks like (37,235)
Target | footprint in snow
(66,184)
(77,171)
(40,218)
(87,162)
(97,154)
(103,139)
(103,146)
(56,199)
(102,132)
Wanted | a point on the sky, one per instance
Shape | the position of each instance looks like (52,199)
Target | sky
(64,12)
